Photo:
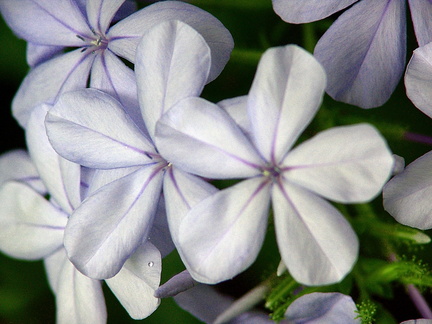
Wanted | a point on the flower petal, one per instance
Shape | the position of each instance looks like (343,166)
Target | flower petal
(126,34)
(46,22)
(316,243)
(110,75)
(90,128)
(17,165)
(237,109)
(135,284)
(421,11)
(407,195)
(48,80)
(101,12)
(37,54)
(182,191)
(53,265)
(30,227)
(99,243)
(318,308)
(199,137)
(206,303)
(304,11)
(418,79)
(286,93)
(177,284)
(222,235)
(79,299)
(172,62)
(344,164)
(60,176)
(160,235)
(364,51)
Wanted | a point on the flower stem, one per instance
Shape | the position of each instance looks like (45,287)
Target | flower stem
(419,302)
(418,138)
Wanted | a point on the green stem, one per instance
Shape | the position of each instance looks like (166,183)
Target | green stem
(246,56)
(309,39)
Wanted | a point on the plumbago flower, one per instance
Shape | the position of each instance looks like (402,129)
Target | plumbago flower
(364,51)
(418,79)
(32,227)
(49,26)
(91,128)
(222,235)
(407,195)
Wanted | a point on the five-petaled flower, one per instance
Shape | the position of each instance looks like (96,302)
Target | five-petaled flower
(222,235)
(52,26)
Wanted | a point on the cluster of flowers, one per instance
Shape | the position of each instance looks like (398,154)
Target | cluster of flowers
(119,160)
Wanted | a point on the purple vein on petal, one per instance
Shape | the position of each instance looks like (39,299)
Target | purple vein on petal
(43,226)
(69,74)
(282,189)
(354,75)
(150,155)
(261,186)
(60,21)
(253,165)
(108,74)
(124,216)
(276,132)
(319,165)
(179,191)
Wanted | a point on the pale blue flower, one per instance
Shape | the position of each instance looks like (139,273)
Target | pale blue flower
(32,228)
(407,195)
(91,128)
(222,235)
(323,308)
(364,51)
(53,25)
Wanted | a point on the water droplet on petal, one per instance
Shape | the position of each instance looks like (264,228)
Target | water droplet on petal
(150,264)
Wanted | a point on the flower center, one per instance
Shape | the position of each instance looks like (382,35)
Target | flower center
(273,172)
(98,42)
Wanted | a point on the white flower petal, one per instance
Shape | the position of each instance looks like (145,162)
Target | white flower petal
(199,137)
(182,191)
(17,165)
(286,93)
(30,227)
(79,299)
(101,12)
(98,243)
(90,128)
(46,22)
(320,308)
(172,62)
(421,10)
(222,235)
(316,243)
(60,176)
(303,11)
(135,284)
(127,33)
(363,52)
(237,109)
(418,79)
(344,164)
(47,81)
(407,195)
(110,75)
